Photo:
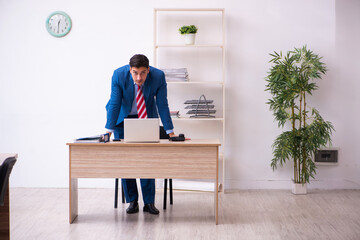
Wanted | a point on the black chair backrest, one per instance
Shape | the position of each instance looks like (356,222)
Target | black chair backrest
(5,170)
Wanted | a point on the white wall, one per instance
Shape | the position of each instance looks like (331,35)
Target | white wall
(53,90)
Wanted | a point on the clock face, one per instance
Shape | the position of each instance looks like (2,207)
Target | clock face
(58,24)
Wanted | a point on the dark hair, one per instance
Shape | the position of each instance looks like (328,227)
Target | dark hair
(139,61)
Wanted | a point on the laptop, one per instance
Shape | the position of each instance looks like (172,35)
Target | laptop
(141,130)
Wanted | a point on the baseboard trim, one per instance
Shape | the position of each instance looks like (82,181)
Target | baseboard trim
(286,184)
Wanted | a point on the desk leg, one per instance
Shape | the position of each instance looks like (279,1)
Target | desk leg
(73,197)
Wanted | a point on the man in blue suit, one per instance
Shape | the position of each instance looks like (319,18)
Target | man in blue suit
(122,104)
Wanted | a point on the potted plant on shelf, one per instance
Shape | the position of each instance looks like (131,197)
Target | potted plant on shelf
(290,80)
(189,32)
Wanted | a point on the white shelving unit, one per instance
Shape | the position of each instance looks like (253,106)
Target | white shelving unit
(206,58)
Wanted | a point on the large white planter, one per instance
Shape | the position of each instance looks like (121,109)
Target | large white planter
(190,39)
(299,188)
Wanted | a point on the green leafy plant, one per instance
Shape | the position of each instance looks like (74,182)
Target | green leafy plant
(188,29)
(291,78)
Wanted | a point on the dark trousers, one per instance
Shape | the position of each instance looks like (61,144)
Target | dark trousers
(131,191)
(129,184)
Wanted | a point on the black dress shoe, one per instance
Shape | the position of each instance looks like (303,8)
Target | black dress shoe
(150,207)
(133,207)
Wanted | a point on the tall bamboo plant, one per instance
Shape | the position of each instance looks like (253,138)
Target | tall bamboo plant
(291,78)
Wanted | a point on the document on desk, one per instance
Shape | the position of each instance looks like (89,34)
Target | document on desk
(94,139)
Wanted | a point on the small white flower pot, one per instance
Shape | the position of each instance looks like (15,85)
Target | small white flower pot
(190,39)
(299,188)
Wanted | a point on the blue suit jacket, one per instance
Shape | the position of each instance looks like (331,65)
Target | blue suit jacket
(123,93)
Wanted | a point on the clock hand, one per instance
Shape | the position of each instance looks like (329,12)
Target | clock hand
(58,26)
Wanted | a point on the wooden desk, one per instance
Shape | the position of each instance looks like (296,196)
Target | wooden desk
(5,210)
(193,159)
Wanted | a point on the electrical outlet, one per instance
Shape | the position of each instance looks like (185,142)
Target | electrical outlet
(328,156)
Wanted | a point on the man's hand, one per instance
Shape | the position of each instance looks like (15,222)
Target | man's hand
(109,134)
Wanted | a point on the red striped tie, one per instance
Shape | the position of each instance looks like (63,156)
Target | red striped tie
(140,102)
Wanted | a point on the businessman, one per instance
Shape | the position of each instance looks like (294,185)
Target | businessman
(138,91)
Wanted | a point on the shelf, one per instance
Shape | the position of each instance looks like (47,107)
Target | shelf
(167,43)
(188,46)
(196,119)
(194,82)
(189,9)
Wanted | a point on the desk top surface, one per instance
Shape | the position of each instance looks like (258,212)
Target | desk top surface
(162,143)
(4,156)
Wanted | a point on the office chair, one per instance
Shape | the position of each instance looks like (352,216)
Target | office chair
(163,135)
(165,192)
(5,170)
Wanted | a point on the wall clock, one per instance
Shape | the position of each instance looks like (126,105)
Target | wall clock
(58,24)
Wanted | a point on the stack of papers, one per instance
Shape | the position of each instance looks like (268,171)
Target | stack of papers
(175,114)
(176,74)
